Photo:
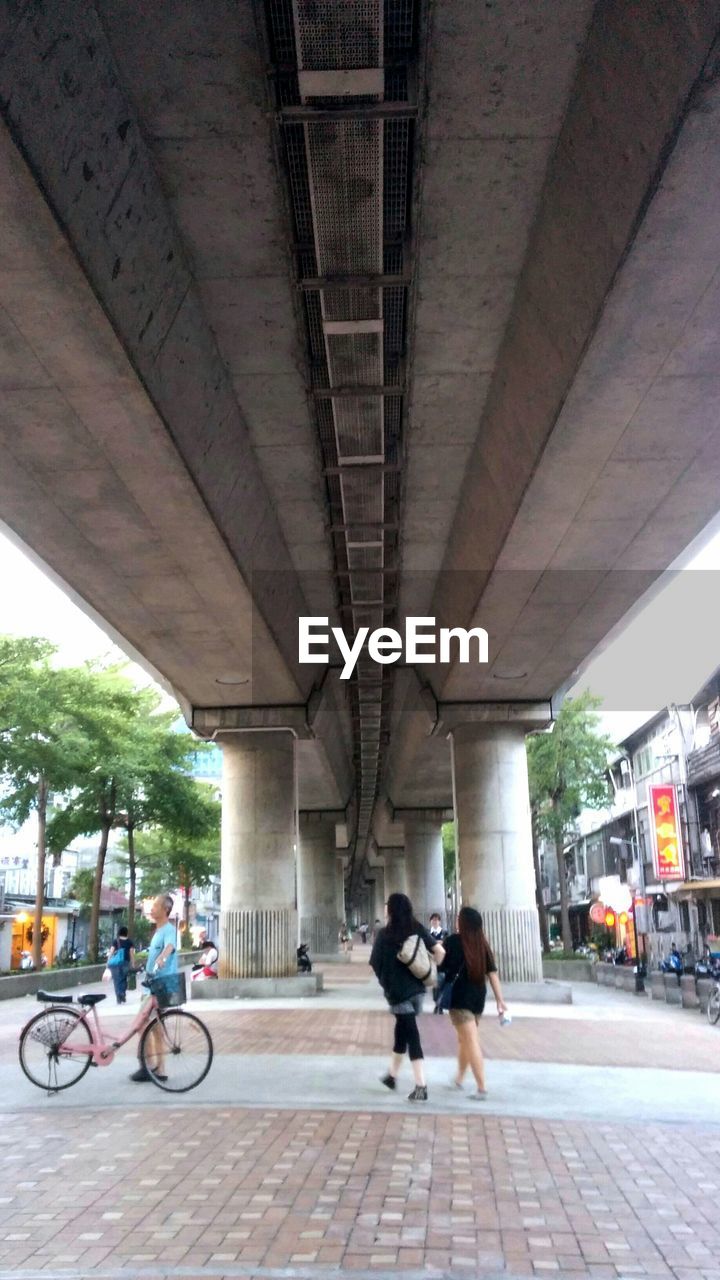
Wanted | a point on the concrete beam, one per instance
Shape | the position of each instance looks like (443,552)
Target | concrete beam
(71,116)
(639,97)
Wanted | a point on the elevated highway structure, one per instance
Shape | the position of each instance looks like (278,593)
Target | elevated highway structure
(360,310)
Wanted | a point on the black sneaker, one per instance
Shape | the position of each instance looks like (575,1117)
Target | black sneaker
(389,1081)
(419,1093)
(141,1075)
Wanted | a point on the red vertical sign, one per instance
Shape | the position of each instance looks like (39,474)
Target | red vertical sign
(666,833)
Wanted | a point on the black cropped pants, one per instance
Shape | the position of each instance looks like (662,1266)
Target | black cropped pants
(407,1036)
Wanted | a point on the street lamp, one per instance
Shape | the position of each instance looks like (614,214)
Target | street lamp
(634,845)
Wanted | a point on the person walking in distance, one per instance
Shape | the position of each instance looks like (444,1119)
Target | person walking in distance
(162,959)
(437,931)
(468,965)
(403,990)
(119,972)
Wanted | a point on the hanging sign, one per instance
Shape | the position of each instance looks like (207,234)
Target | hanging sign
(666,833)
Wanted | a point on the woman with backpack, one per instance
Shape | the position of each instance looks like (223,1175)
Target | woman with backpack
(121,959)
(468,965)
(404,986)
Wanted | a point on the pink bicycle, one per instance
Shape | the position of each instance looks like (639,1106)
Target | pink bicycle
(59,1045)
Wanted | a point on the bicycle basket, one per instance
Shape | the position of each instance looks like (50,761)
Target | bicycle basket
(168,989)
(54,1032)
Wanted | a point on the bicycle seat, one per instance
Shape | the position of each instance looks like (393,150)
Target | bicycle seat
(90,1000)
(48,997)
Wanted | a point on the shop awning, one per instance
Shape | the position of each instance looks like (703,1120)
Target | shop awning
(574,906)
(690,887)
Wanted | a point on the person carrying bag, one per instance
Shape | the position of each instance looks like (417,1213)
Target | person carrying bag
(120,962)
(403,958)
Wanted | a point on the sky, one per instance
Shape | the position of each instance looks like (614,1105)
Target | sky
(32,604)
(668,649)
(663,654)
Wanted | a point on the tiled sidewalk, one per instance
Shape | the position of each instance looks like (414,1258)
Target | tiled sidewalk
(311,1193)
(354,1033)
(111,1180)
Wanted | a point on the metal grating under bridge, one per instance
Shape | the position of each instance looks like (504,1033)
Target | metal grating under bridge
(340,74)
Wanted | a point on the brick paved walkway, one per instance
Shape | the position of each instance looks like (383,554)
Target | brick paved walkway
(188,1188)
(355,1033)
(218,1190)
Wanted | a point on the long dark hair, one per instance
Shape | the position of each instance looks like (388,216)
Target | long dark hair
(401,921)
(476,948)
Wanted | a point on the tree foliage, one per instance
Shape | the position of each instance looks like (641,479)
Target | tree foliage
(173,857)
(43,746)
(568,773)
(136,779)
(91,754)
(81,887)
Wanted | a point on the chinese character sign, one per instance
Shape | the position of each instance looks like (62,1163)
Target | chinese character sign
(666,834)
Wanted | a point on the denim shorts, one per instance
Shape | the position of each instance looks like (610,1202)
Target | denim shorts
(413,1005)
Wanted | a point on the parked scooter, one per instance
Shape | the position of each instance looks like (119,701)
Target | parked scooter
(708,967)
(304,963)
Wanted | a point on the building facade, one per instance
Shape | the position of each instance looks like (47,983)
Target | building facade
(675,753)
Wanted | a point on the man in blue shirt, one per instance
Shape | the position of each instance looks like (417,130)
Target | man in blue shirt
(162,959)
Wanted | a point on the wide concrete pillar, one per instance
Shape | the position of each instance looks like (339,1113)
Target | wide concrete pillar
(317,883)
(258,905)
(495,842)
(340,908)
(379,897)
(395,877)
(424,865)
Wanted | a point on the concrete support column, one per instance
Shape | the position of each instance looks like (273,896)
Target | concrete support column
(258,915)
(380,897)
(340,908)
(395,877)
(492,808)
(317,883)
(424,865)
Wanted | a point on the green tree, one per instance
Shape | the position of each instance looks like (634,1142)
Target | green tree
(568,773)
(138,780)
(111,715)
(81,888)
(162,794)
(43,748)
(177,857)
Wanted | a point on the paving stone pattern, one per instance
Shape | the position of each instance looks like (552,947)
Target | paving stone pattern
(358,1034)
(235,1190)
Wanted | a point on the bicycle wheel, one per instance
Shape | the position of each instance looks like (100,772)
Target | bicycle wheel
(176,1051)
(713,1009)
(40,1049)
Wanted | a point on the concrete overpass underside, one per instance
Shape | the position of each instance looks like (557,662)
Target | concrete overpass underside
(360,310)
